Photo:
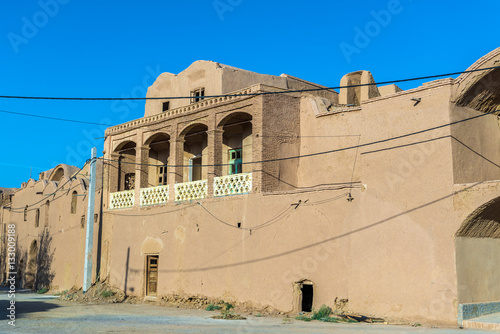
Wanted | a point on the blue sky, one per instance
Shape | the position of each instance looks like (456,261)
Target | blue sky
(74,48)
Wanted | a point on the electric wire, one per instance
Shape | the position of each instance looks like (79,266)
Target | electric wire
(282,215)
(316,153)
(245,94)
(52,118)
(58,189)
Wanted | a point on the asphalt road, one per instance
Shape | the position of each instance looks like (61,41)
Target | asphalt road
(36,313)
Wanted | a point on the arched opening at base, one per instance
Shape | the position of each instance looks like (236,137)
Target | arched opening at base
(477,248)
(31,267)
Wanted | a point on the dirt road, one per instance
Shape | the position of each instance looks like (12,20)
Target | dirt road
(36,313)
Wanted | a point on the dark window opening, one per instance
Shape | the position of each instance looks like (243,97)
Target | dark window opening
(37,217)
(74,197)
(166,106)
(82,221)
(96,218)
(239,225)
(26,213)
(47,207)
(129,181)
(162,175)
(307,297)
(197,95)
(195,169)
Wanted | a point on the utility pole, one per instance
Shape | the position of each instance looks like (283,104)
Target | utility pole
(89,241)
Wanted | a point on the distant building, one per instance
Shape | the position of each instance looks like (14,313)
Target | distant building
(50,216)
(250,193)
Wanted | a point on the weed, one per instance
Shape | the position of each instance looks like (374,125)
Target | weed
(42,290)
(213,307)
(303,318)
(323,312)
(258,315)
(228,306)
(61,293)
(107,293)
(330,319)
(229,315)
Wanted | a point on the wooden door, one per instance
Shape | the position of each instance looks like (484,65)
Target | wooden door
(152,275)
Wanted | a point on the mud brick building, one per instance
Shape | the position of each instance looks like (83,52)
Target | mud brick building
(272,190)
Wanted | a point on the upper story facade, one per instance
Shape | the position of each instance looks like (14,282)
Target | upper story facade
(251,140)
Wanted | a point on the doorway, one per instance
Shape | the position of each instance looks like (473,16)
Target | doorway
(303,296)
(152,275)
(307,297)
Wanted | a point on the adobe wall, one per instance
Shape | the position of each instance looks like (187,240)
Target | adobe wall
(478,270)
(60,239)
(403,245)
(218,79)
(393,242)
(202,256)
(476,145)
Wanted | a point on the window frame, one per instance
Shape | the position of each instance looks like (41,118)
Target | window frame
(197,95)
(236,163)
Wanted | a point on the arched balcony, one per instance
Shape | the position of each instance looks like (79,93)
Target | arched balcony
(194,160)
(157,189)
(124,175)
(197,162)
(236,156)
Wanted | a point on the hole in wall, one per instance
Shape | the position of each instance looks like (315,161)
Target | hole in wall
(303,296)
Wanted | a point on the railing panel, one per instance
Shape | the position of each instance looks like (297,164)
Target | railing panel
(235,184)
(121,199)
(154,195)
(187,191)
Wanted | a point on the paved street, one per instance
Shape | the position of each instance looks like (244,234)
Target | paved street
(46,314)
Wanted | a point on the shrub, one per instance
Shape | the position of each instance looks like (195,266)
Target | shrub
(323,312)
(213,307)
(107,293)
(42,290)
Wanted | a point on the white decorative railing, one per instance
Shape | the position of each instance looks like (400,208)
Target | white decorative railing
(154,195)
(191,190)
(233,184)
(121,199)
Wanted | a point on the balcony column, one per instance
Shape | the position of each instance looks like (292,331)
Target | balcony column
(214,160)
(114,173)
(141,171)
(175,170)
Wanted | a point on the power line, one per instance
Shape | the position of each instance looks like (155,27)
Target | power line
(318,153)
(282,215)
(245,94)
(52,118)
(58,189)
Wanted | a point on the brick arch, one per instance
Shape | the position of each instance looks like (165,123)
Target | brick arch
(484,222)
(477,245)
(190,127)
(153,137)
(124,145)
(480,90)
(234,117)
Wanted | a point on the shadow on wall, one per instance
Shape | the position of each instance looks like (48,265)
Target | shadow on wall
(34,266)
(44,273)
(21,257)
